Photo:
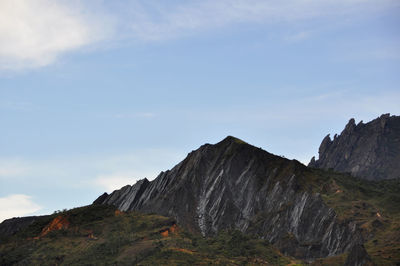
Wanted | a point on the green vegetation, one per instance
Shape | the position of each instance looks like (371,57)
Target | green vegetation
(101,235)
(373,205)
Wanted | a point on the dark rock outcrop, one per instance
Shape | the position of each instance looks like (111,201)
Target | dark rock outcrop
(234,185)
(370,151)
(11,226)
(101,199)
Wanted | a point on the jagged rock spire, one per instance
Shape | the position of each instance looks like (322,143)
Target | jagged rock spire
(370,151)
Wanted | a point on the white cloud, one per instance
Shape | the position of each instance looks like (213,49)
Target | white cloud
(17,205)
(34,33)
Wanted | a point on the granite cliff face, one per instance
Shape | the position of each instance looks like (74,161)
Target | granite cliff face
(234,185)
(369,151)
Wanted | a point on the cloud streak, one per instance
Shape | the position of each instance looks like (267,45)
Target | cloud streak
(159,22)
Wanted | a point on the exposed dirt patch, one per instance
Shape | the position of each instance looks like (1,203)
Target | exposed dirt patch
(58,223)
(168,231)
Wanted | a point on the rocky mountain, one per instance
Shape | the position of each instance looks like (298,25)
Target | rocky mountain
(224,204)
(233,185)
(370,151)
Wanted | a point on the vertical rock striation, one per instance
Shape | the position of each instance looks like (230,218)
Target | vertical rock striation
(370,151)
(234,185)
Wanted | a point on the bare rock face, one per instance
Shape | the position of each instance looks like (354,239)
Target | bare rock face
(234,185)
(124,197)
(369,151)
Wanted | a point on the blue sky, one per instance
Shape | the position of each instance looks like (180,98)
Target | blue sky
(97,94)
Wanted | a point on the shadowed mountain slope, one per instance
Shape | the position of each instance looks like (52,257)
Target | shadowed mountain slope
(235,185)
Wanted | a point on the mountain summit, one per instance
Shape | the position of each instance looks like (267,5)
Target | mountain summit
(370,151)
(233,185)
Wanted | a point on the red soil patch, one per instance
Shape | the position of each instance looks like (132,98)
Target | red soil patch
(118,213)
(166,232)
(58,223)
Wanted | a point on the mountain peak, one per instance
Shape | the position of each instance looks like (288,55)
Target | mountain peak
(351,125)
(370,151)
(231,140)
(233,184)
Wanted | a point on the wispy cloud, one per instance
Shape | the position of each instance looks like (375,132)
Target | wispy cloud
(34,33)
(17,205)
(163,21)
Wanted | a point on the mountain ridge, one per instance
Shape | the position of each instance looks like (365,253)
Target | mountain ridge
(232,184)
(370,151)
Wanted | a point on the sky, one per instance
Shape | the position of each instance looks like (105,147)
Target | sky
(95,95)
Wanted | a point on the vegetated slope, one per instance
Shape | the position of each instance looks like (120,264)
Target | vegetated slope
(103,235)
(233,185)
(370,151)
(374,206)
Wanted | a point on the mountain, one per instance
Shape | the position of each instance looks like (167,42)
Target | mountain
(233,185)
(370,151)
(227,203)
